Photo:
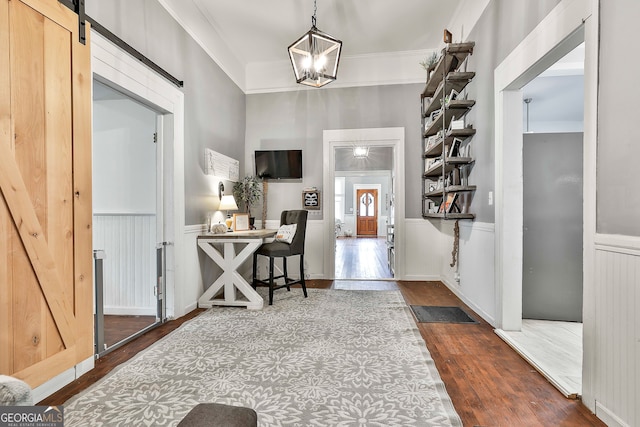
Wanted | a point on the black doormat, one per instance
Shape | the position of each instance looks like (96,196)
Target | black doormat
(438,314)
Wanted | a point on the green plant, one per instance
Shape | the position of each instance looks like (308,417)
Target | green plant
(429,61)
(247,192)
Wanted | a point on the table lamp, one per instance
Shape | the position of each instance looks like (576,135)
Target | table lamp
(228,203)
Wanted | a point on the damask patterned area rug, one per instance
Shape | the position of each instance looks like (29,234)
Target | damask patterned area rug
(337,358)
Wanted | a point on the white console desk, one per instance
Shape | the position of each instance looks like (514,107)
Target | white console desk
(229,261)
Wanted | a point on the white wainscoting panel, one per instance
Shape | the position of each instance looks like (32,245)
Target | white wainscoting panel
(129,242)
(423,252)
(448,274)
(349,224)
(313,252)
(193,287)
(476,268)
(616,370)
(472,278)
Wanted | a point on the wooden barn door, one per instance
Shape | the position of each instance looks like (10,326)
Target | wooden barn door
(46,311)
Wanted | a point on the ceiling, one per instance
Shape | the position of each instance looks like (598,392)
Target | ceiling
(557,95)
(259,31)
(247,35)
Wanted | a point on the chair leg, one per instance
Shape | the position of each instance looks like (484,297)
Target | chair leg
(271,284)
(286,275)
(304,286)
(254,285)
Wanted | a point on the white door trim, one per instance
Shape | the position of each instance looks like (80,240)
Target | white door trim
(568,23)
(373,137)
(555,36)
(111,64)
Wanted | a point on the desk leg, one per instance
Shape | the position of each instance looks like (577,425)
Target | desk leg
(230,279)
(231,265)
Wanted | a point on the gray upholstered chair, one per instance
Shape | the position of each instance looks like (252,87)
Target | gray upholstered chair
(283,250)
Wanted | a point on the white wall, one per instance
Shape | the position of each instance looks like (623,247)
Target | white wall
(124,166)
(124,202)
(557,104)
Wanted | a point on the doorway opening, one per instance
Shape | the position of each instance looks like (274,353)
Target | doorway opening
(127,217)
(552,264)
(514,296)
(364,204)
(362,251)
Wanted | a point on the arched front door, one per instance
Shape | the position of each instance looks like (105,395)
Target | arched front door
(367,212)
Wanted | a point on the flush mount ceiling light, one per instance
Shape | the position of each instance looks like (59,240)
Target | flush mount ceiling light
(360,152)
(315,56)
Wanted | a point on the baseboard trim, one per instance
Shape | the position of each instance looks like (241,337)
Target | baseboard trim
(85,366)
(190,307)
(421,278)
(609,418)
(56,383)
(129,311)
(455,289)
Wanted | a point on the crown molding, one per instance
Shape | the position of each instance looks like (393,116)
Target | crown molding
(377,69)
(199,28)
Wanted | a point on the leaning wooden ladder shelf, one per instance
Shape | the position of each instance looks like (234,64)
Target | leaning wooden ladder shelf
(445,147)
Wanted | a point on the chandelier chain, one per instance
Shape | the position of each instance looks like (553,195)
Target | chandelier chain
(315,9)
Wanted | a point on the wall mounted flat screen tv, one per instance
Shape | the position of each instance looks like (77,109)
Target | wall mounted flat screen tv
(279,164)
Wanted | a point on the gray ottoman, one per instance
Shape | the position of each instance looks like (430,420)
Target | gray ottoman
(14,392)
(219,415)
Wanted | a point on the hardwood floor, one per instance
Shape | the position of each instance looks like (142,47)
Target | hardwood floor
(361,258)
(117,328)
(489,383)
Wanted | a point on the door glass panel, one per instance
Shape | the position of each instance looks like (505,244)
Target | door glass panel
(366,205)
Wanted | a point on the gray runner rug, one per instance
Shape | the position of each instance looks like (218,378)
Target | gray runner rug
(337,358)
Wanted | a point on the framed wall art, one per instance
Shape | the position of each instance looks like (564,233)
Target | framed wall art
(311,199)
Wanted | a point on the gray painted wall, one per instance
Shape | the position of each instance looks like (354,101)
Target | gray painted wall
(216,115)
(297,119)
(502,26)
(288,120)
(552,234)
(618,198)
(214,105)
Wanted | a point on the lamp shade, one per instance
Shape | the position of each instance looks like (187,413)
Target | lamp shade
(315,57)
(228,203)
